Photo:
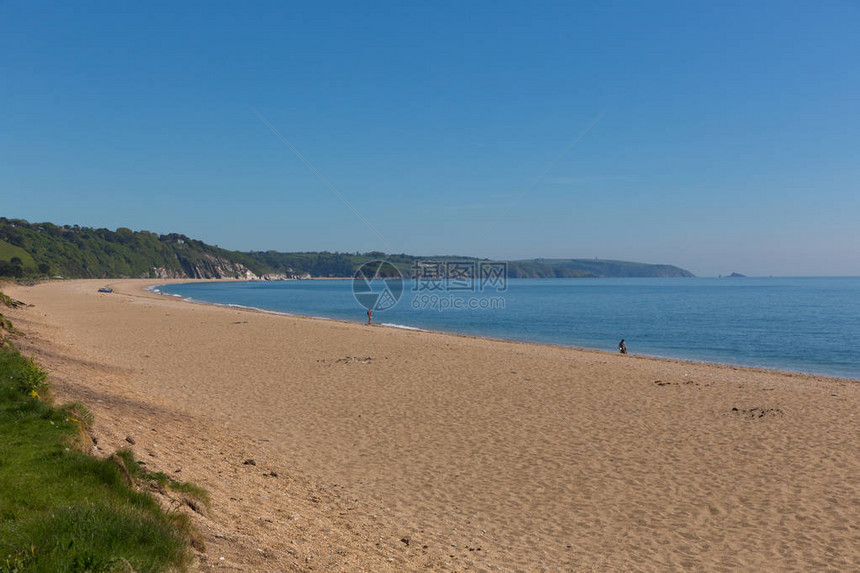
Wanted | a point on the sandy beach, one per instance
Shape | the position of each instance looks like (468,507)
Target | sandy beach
(382,449)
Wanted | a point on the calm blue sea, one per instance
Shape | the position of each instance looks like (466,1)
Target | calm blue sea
(799,324)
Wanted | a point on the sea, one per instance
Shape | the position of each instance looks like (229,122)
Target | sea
(809,325)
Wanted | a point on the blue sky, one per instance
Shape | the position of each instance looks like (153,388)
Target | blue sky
(724,136)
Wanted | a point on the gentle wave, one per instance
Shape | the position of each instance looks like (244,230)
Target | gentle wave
(403,326)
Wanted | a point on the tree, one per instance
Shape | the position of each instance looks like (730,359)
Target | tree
(10,270)
(16,261)
(44,268)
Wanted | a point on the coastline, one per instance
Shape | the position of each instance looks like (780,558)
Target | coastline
(679,360)
(482,453)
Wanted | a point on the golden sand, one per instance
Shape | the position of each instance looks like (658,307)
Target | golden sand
(429,451)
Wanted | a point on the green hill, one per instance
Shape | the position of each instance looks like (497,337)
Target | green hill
(563,268)
(10,252)
(45,249)
(84,252)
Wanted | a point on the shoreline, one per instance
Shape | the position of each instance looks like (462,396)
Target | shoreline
(393,450)
(673,359)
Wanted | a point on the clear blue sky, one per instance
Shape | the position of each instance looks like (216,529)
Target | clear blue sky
(728,136)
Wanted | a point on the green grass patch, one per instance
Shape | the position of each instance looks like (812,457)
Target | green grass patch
(192,490)
(62,510)
(77,412)
(7,300)
(138,472)
(8,251)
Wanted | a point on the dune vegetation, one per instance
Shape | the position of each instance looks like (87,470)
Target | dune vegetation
(62,509)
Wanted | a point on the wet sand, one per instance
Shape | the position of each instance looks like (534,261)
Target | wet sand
(407,450)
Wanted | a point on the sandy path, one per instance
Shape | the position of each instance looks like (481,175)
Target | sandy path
(493,455)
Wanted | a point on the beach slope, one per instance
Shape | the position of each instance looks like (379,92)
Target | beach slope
(337,446)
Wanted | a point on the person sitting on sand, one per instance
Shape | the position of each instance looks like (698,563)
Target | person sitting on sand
(622,347)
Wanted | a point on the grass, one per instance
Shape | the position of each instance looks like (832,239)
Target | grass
(7,300)
(138,472)
(8,251)
(63,510)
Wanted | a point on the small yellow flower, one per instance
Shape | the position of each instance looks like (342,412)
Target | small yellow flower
(34,394)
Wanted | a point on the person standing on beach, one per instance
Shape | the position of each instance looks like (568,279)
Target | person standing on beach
(369,315)
(622,347)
